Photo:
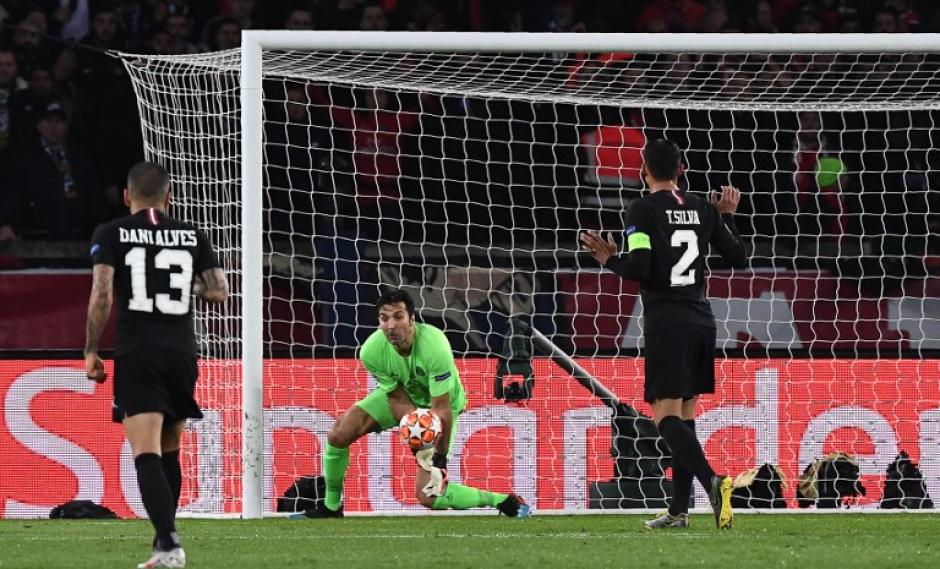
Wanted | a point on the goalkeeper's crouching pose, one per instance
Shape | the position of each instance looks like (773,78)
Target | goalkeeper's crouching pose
(414,366)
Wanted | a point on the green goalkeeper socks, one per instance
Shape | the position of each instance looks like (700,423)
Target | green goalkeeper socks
(456,497)
(460,497)
(335,463)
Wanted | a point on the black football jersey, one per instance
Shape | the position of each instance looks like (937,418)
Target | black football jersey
(155,260)
(681,226)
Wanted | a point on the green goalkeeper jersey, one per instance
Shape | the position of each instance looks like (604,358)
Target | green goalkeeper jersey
(427,372)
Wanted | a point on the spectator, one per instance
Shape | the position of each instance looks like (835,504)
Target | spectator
(375,128)
(564,18)
(106,112)
(346,14)
(297,150)
(180,30)
(612,68)
(223,33)
(809,143)
(94,64)
(828,206)
(73,19)
(52,189)
(679,15)
(886,22)
(807,22)
(909,19)
(762,19)
(299,19)
(161,43)
(735,82)
(517,21)
(613,156)
(656,26)
(783,10)
(714,20)
(243,12)
(850,25)
(42,85)
(141,20)
(774,78)
(28,104)
(31,48)
(10,85)
(169,25)
(373,18)
(200,13)
(829,14)
(63,72)
(819,179)
(426,16)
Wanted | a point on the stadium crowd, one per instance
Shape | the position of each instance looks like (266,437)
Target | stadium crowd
(68,114)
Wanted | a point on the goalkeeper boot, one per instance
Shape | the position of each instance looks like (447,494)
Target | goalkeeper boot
(666,520)
(720,497)
(514,507)
(317,513)
(175,557)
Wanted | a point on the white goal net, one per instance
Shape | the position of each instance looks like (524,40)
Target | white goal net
(466,177)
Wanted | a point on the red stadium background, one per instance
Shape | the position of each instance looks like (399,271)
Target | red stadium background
(57,443)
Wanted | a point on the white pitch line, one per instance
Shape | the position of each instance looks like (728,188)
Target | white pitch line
(570,535)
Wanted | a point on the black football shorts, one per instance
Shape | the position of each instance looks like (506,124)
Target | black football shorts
(155,381)
(679,363)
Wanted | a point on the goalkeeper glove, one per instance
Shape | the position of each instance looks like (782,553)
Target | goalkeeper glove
(435,464)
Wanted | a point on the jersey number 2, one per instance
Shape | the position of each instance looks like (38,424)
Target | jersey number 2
(181,280)
(682,274)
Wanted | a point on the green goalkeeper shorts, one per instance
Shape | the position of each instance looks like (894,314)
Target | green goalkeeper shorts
(376,406)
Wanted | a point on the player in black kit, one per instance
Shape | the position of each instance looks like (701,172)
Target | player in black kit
(668,233)
(154,265)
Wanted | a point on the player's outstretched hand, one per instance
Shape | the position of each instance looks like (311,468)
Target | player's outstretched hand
(94,368)
(592,242)
(728,203)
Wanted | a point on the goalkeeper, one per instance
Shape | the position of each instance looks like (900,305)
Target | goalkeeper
(414,366)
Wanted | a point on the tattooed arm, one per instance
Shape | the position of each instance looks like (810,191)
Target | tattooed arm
(211,286)
(99,308)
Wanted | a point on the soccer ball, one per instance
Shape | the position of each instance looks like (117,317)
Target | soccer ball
(420,429)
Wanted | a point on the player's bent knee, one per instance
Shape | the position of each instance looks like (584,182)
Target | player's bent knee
(426,501)
(338,437)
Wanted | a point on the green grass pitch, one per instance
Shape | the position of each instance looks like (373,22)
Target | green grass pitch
(455,542)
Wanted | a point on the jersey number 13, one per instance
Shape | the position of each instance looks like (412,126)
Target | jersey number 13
(180,264)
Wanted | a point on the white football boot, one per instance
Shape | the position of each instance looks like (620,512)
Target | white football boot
(173,558)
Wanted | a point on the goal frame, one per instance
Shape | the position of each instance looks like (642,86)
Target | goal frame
(251,95)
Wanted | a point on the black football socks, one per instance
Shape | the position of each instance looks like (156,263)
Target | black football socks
(157,498)
(681,482)
(174,476)
(686,449)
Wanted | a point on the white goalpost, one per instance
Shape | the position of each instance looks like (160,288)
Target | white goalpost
(462,166)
